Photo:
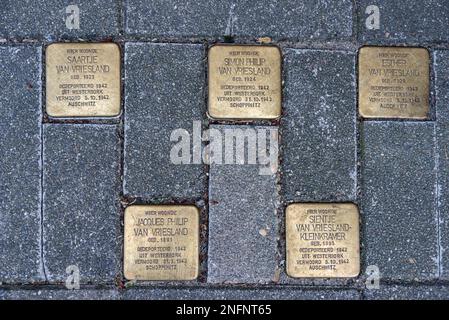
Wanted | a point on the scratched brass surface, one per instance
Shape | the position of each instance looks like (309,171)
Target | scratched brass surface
(393,82)
(244,82)
(161,242)
(83,80)
(322,240)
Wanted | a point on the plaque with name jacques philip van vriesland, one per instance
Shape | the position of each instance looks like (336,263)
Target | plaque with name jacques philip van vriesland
(322,240)
(393,82)
(161,242)
(83,80)
(244,82)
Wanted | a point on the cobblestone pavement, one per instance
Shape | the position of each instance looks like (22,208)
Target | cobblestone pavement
(66,182)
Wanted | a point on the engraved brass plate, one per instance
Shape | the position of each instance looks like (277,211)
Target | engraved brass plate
(161,242)
(322,240)
(83,80)
(244,82)
(393,82)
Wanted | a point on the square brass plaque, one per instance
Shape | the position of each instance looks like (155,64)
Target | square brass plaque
(161,242)
(393,82)
(322,240)
(244,82)
(83,79)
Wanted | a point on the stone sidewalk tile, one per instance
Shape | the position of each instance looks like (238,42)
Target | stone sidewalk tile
(60,294)
(396,292)
(287,19)
(399,220)
(236,293)
(243,229)
(20,164)
(292,19)
(47,19)
(318,128)
(405,21)
(177,18)
(160,98)
(442,136)
(81,207)
(441,67)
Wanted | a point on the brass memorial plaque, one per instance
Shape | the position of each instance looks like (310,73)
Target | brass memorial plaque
(244,82)
(322,240)
(393,82)
(83,80)
(161,242)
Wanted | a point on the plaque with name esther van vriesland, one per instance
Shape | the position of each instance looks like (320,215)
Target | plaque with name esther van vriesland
(161,242)
(244,82)
(393,82)
(83,80)
(322,240)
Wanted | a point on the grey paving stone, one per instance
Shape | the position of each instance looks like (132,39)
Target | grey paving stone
(60,294)
(177,18)
(441,68)
(20,178)
(242,219)
(441,59)
(310,19)
(406,21)
(442,131)
(81,207)
(47,19)
(261,293)
(285,279)
(319,126)
(164,92)
(291,19)
(419,292)
(400,232)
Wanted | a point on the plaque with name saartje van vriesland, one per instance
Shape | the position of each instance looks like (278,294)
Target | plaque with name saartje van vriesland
(161,242)
(244,82)
(322,240)
(83,80)
(393,82)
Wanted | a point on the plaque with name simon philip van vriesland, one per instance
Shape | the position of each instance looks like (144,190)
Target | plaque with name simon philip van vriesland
(393,82)
(161,242)
(83,80)
(244,82)
(322,240)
